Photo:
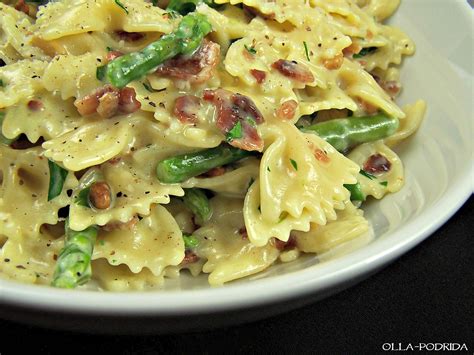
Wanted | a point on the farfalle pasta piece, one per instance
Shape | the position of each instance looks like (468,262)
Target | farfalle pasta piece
(88,145)
(389,177)
(20,81)
(153,243)
(71,17)
(228,254)
(24,190)
(349,225)
(301,181)
(45,120)
(120,279)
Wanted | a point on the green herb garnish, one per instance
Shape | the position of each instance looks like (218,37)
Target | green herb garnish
(364,52)
(121,5)
(294,163)
(384,183)
(367,175)
(251,50)
(235,132)
(306,50)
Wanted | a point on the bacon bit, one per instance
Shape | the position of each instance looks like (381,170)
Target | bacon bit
(112,55)
(189,257)
(107,101)
(334,63)
(108,104)
(128,102)
(243,233)
(259,75)
(367,107)
(293,70)
(233,108)
(287,110)
(23,143)
(196,68)
(115,225)
(351,50)
(23,7)
(370,35)
(280,245)
(377,163)
(247,55)
(99,195)
(35,105)
(321,156)
(129,36)
(392,88)
(186,108)
(114,160)
(213,172)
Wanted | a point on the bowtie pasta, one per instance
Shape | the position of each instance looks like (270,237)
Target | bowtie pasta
(139,139)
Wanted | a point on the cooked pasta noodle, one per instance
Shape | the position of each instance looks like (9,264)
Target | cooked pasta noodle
(215,136)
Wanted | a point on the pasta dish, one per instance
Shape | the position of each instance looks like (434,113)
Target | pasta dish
(140,139)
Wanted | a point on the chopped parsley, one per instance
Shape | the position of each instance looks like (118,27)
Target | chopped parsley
(268,169)
(367,175)
(294,163)
(384,183)
(121,5)
(1,83)
(251,50)
(364,52)
(235,132)
(251,121)
(147,87)
(306,50)
(109,49)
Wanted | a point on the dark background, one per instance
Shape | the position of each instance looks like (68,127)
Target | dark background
(425,296)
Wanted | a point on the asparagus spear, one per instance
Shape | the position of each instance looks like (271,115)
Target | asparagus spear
(196,200)
(190,241)
(182,167)
(186,6)
(184,40)
(57,176)
(344,133)
(73,267)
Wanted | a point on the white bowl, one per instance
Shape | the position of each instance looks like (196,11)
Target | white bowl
(438,163)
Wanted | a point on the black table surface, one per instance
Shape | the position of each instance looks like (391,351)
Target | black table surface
(422,299)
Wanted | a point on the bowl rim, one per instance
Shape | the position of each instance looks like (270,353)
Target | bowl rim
(253,293)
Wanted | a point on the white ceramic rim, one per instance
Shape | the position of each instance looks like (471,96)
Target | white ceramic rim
(252,293)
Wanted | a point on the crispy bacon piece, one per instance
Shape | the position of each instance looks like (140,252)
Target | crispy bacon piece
(115,225)
(287,110)
(293,70)
(196,68)
(377,163)
(259,75)
(280,245)
(232,109)
(367,107)
(189,257)
(321,156)
(107,101)
(129,36)
(22,6)
(186,108)
(243,233)
(351,50)
(112,55)
(35,105)
(391,87)
(220,170)
(334,63)
(128,102)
